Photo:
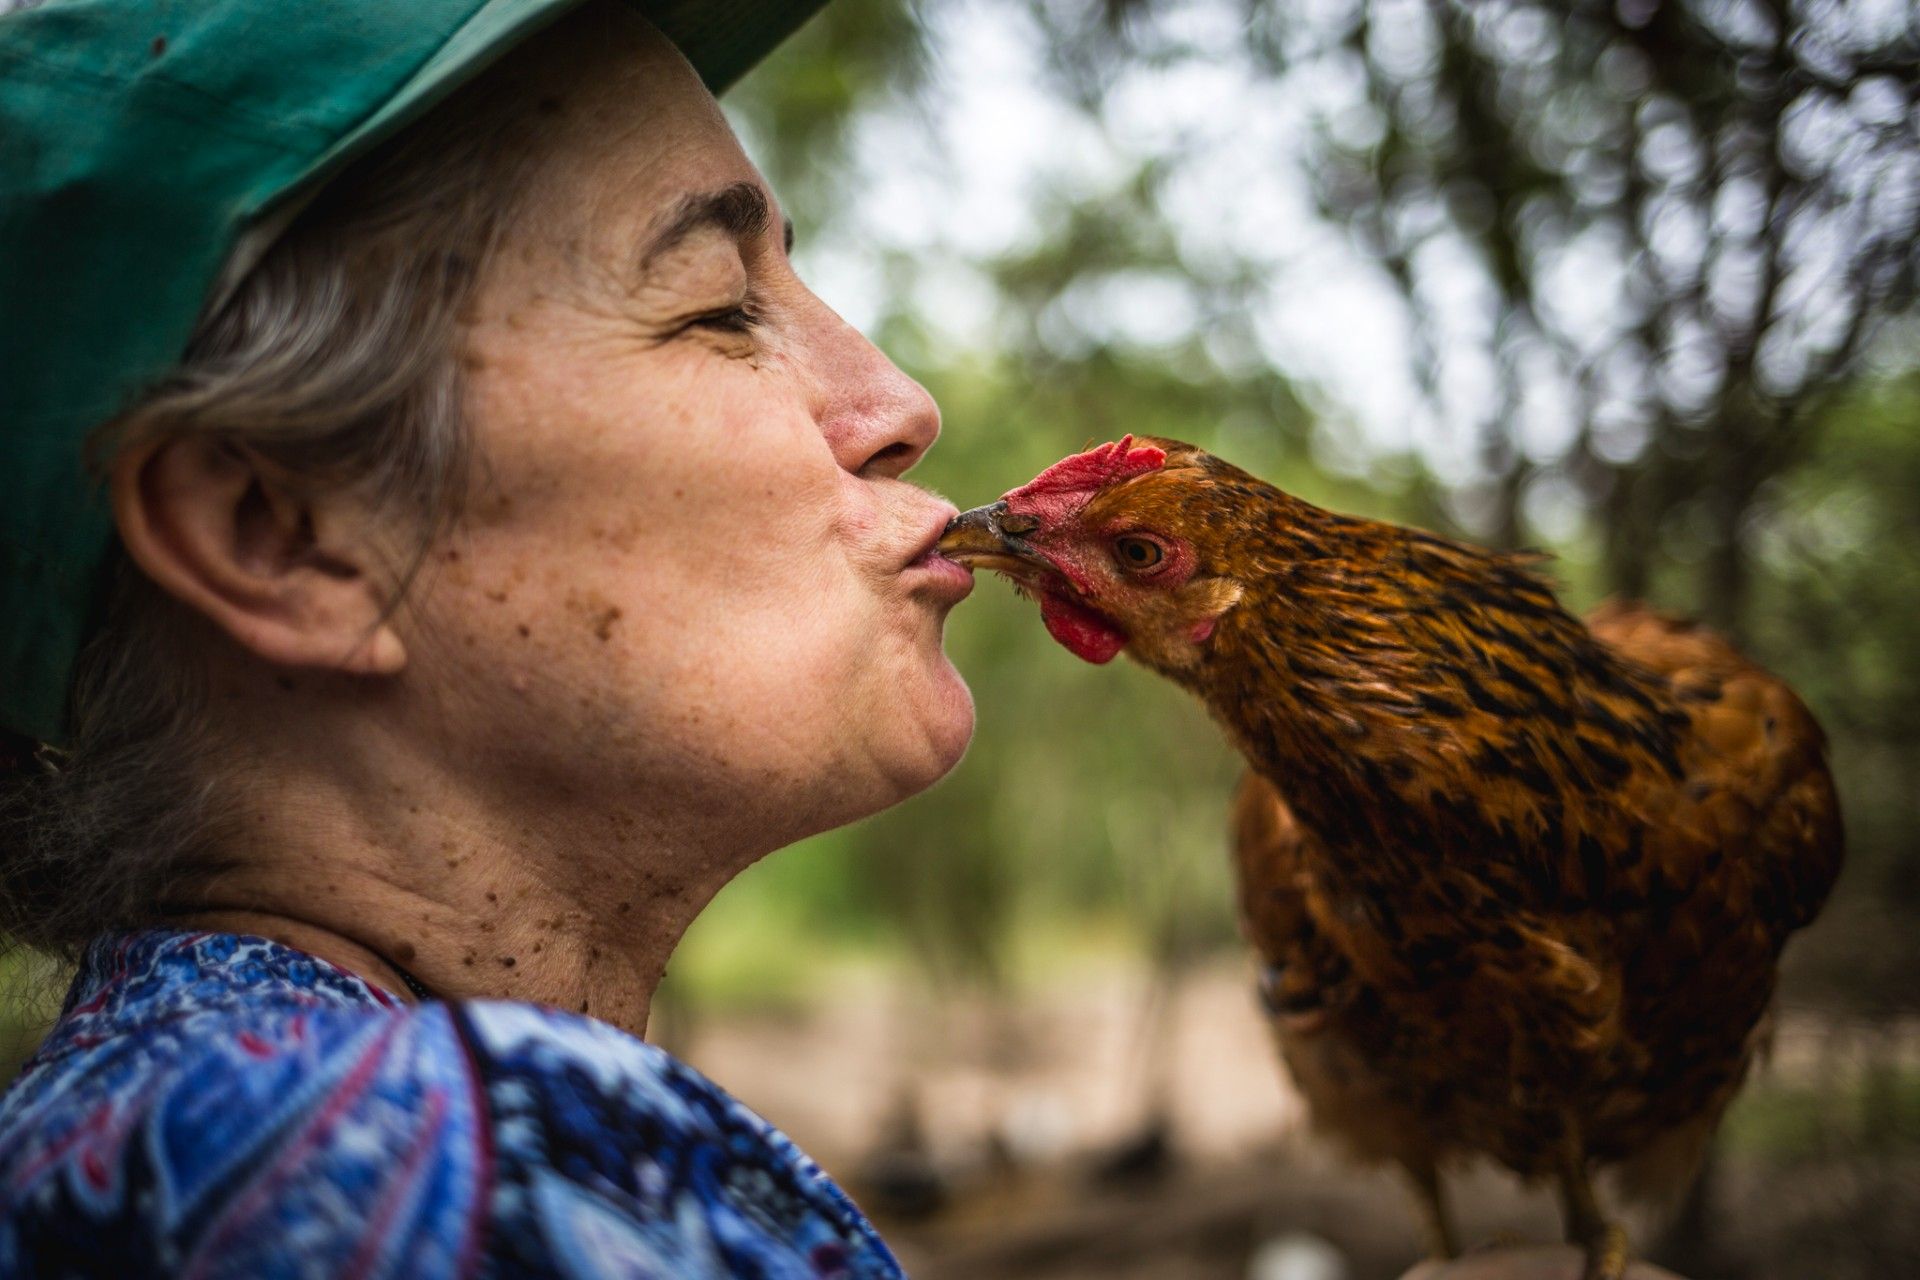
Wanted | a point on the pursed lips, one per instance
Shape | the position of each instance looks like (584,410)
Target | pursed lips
(926,548)
(947,579)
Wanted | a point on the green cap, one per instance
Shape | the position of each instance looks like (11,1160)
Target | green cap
(149,152)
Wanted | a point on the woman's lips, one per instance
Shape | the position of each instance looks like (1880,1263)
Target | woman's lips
(945,578)
(948,580)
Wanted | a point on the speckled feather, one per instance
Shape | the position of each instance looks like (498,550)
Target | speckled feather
(1503,867)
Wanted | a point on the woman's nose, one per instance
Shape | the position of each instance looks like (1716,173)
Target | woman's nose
(876,419)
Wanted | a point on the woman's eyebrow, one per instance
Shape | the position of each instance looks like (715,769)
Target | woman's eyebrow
(742,211)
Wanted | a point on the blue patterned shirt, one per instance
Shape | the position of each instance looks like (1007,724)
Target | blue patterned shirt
(214,1105)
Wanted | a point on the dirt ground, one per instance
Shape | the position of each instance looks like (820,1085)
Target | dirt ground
(1049,1138)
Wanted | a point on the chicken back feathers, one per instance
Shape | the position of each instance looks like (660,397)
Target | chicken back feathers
(1502,867)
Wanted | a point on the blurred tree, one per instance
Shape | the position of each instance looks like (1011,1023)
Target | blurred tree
(799,110)
(1675,224)
(1838,560)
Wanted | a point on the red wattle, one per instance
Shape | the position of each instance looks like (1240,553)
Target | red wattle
(1085,633)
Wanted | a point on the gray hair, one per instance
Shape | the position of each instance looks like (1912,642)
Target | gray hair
(336,357)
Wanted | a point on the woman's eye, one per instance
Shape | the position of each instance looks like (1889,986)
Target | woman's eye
(736,319)
(1138,553)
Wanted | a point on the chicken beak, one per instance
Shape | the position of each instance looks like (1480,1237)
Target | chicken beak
(982,539)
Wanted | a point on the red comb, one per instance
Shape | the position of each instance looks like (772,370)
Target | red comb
(1094,469)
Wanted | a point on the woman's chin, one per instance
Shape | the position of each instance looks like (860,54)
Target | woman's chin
(954,725)
(927,730)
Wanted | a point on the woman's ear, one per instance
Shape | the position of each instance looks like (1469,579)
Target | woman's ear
(291,576)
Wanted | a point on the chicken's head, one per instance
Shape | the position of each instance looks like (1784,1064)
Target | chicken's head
(1114,547)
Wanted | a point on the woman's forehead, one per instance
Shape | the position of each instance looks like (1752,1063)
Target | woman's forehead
(635,133)
(657,218)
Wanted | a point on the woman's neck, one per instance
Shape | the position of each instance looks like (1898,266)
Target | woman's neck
(565,903)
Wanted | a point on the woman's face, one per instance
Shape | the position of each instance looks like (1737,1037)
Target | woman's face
(692,577)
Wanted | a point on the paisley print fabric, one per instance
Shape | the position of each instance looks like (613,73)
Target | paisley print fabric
(212,1105)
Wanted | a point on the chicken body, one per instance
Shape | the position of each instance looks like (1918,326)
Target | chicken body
(1519,884)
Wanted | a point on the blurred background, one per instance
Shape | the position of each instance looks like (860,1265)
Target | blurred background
(1634,283)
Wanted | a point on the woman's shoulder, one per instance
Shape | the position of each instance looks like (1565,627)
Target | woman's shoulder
(166,1133)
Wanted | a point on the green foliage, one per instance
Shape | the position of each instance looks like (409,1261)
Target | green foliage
(1092,804)
(1878,1112)
(1835,610)
(30,990)
(855,56)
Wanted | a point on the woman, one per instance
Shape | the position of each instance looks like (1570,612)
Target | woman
(518,551)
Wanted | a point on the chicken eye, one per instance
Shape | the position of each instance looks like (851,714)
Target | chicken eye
(1138,553)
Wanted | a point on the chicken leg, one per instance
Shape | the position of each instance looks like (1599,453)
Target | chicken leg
(1605,1241)
(1435,1216)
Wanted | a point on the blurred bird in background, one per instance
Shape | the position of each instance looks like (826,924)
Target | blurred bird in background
(1519,884)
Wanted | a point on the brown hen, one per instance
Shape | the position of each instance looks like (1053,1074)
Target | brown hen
(1519,884)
